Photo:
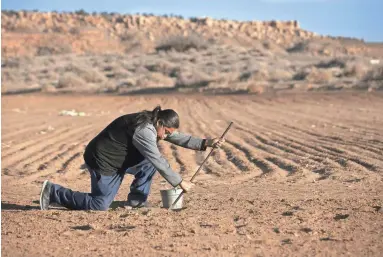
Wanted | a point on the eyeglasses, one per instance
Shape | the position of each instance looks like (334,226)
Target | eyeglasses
(167,132)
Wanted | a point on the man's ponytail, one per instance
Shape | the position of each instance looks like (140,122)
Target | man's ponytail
(168,118)
(155,114)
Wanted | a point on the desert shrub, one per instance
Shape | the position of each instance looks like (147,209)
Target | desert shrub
(119,19)
(115,72)
(314,75)
(44,50)
(374,74)
(139,69)
(108,87)
(155,79)
(25,29)
(357,70)
(162,66)
(46,88)
(108,68)
(245,76)
(133,42)
(192,79)
(373,80)
(130,82)
(181,43)
(10,63)
(305,46)
(74,31)
(319,76)
(52,45)
(7,76)
(134,47)
(301,75)
(29,77)
(335,62)
(128,36)
(280,75)
(255,89)
(51,49)
(81,12)
(70,80)
(88,74)
(271,47)
(323,47)
(257,75)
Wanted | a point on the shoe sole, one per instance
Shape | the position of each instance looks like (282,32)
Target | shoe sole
(41,193)
(141,205)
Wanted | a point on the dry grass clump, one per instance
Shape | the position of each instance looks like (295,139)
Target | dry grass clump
(162,66)
(271,49)
(192,79)
(7,76)
(70,80)
(280,75)
(374,74)
(52,46)
(256,89)
(154,80)
(48,89)
(115,72)
(181,43)
(373,80)
(325,47)
(255,75)
(355,70)
(335,62)
(314,75)
(305,46)
(10,63)
(87,74)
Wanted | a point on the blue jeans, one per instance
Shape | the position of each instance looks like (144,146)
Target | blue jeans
(104,189)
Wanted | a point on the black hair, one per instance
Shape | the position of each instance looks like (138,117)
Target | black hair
(168,118)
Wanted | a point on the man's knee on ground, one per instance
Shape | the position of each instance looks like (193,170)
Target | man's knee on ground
(99,204)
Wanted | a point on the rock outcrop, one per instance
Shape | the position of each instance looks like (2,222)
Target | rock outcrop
(36,33)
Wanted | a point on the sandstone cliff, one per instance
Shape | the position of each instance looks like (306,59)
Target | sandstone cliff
(36,33)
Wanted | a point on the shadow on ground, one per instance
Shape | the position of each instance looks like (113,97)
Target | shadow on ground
(16,207)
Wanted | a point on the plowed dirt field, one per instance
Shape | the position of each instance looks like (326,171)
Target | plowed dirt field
(298,176)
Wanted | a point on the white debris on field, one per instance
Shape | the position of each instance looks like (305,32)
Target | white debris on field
(44,131)
(72,113)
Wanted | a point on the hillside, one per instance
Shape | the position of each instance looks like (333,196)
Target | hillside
(138,53)
(114,33)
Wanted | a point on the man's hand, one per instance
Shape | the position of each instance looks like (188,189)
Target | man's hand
(186,186)
(215,142)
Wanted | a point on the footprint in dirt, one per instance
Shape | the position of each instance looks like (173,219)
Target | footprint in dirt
(306,230)
(84,227)
(121,228)
(286,241)
(341,216)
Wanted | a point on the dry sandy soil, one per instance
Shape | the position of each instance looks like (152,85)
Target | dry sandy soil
(299,176)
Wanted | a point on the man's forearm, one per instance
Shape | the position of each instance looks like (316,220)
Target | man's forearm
(187,141)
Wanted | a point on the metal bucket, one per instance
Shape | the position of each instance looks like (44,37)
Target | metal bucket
(169,196)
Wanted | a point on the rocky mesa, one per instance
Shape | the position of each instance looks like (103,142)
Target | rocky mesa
(35,33)
(125,54)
